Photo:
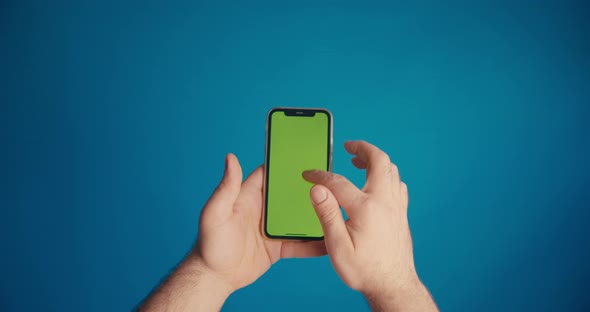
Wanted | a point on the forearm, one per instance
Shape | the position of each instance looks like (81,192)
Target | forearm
(411,297)
(189,288)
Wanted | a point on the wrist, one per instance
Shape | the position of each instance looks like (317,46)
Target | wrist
(409,295)
(192,286)
(392,287)
(194,265)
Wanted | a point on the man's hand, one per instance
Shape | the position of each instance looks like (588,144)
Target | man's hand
(230,241)
(231,251)
(372,250)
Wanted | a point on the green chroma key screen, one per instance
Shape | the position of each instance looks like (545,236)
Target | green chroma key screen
(298,140)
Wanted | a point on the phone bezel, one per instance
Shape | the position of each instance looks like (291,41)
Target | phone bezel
(290,110)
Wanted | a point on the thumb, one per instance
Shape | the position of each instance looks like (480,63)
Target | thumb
(327,208)
(220,204)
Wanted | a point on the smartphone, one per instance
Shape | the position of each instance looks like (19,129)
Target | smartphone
(297,139)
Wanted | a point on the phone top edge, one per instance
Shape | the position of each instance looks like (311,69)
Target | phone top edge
(284,108)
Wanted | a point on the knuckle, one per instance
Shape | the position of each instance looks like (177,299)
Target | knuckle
(378,155)
(394,169)
(360,199)
(327,214)
(404,187)
(383,157)
(363,143)
(323,177)
(367,203)
(336,178)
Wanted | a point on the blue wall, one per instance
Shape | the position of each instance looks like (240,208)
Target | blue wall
(115,119)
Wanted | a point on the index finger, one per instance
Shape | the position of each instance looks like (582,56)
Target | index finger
(346,193)
(379,167)
(255,180)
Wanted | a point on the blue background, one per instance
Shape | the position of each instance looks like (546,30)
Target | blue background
(115,118)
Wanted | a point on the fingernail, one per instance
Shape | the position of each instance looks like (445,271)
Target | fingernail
(226,161)
(318,195)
